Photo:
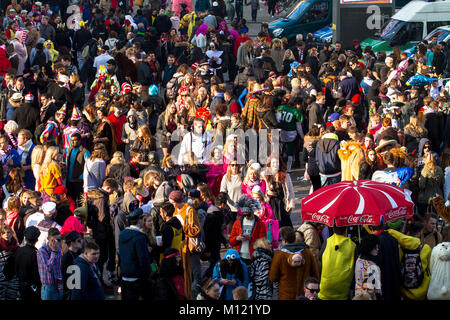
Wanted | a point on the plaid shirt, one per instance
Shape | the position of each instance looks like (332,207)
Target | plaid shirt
(249,114)
(49,264)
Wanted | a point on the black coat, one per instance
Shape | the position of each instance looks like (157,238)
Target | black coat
(27,117)
(26,266)
(434,123)
(214,222)
(389,263)
(145,74)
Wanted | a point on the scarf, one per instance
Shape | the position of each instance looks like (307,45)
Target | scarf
(5,152)
(13,139)
(26,150)
(251,184)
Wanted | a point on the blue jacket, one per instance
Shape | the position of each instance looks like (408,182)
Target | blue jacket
(29,180)
(4,162)
(168,73)
(218,275)
(133,254)
(91,288)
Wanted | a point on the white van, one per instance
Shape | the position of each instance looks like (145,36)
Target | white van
(410,25)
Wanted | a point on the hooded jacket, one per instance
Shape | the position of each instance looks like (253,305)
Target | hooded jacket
(228,295)
(133,254)
(412,243)
(291,266)
(327,155)
(90,285)
(120,221)
(338,262)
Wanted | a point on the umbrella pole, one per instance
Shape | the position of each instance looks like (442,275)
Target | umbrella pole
(359,235)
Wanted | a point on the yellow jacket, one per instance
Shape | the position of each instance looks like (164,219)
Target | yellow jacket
(412,243)
(337,268)
(188,21)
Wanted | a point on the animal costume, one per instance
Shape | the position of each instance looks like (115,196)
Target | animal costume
(439,288)
(442,207)
(351,155)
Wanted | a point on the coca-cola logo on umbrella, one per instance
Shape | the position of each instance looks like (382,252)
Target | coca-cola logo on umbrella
(357,203)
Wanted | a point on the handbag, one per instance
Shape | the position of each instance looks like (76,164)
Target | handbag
(195,245)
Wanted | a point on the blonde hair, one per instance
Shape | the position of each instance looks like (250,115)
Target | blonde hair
(146,134)
(128,186)
(262,243)
(167,114)
(192,107)
(165,160)
(37,155)
(118,158)
(48,159)
(429,162)
(11,126)
(249,172)
(416,125)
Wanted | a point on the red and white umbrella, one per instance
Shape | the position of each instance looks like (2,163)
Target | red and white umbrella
(358,202)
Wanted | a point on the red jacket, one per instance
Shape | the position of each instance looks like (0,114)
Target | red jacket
(118,126)
(259,231)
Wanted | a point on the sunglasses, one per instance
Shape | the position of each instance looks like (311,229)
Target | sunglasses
(313,290)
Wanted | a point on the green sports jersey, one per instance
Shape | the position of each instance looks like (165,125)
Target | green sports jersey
(288,117)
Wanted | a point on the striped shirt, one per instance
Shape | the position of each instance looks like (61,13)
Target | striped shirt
(49,264)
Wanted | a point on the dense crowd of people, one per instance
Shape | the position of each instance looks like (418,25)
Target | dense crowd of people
(147,149)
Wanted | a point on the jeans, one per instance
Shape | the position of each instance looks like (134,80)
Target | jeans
(50,293)
(326,181)
(196,275)
(80,62)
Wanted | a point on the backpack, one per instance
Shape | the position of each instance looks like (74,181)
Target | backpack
(172,88)
(89,50)
(411,268)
